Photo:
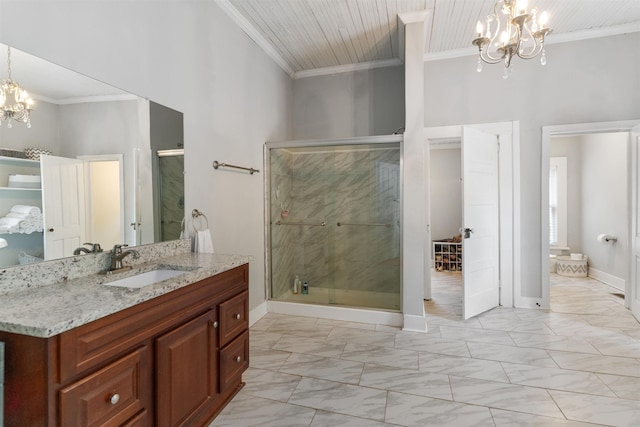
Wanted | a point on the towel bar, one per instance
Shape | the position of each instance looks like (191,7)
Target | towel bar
(340,224)
(322,224)
(217,165)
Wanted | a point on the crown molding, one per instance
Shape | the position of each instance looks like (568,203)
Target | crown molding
(347,68)
(85,99)
(249,29)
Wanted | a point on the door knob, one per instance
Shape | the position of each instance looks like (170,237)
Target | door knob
(467,232)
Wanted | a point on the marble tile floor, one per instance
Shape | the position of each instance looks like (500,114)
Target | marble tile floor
(577,364)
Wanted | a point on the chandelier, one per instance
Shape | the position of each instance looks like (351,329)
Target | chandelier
(10,91)
(515,31)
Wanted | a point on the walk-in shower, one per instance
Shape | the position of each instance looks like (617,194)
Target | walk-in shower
(334,222)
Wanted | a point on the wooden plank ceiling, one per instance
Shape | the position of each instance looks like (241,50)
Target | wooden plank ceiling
(307,35)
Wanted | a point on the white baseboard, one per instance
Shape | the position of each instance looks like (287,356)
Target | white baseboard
(528,302)
(607,279)
(336,313)
(257,313)
(413,323)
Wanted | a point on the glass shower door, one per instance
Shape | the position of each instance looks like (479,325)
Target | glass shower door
(334,224)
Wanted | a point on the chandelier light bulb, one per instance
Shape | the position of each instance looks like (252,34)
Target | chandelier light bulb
(479,29)
(521,6)
(544,17)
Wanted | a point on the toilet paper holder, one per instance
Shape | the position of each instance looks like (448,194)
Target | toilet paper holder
(606,238)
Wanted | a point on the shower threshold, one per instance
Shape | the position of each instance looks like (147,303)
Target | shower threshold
(345,298)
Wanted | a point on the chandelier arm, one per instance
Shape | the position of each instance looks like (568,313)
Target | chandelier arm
(486,57)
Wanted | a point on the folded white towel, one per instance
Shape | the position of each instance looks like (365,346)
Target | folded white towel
(13,224)
(25,209)
(203,242)
(17,215)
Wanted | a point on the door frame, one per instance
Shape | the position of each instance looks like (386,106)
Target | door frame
(567,130)
(509,199)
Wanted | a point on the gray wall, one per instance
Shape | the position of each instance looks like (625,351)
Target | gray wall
(570,148)
(187,55)
(446,193)
(576,86)
(362,103)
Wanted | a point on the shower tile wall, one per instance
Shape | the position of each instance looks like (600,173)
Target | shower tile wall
(172,197)
(348,186)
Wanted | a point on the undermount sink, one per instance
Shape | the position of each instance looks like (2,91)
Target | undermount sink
(146,279)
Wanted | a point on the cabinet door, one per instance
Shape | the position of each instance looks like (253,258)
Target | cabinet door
(187,371)
(110,396)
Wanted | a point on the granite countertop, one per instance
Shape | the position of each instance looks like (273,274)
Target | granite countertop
(45,311)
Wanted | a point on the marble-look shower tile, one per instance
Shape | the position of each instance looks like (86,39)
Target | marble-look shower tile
(341,398)
(504,396)
(319,347)
(504,353)
(263,358)
(463,367)
(324,368)
(330,419)
(264,339)
(556,379)
(385,356)
(431,344)
(623,387)
(245,410)
(269,384)
(406,381)
(596,363)
(476,335)
(598,409)
(504,418)
(358,336)
(418,411)
(553,342)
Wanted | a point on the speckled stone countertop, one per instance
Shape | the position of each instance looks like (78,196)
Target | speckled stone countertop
(50,309)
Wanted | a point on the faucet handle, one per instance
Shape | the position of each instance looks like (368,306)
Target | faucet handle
(117,248)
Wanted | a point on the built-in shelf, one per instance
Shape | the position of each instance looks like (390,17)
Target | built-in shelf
(19,160)
(19,189)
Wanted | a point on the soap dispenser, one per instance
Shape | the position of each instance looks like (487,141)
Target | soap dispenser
(296,284)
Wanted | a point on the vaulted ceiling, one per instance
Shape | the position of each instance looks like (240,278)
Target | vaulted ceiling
(308,37)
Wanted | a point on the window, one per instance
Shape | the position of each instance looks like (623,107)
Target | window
(558,201)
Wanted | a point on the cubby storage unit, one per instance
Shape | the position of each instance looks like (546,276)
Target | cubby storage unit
(447,256)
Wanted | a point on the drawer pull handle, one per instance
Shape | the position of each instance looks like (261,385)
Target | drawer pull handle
(238,316)
(238,359)
(115,398)
(214,324)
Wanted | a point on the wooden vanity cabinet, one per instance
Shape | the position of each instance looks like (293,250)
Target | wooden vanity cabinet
(175,360)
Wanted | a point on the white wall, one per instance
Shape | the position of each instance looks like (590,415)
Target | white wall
(189,56)
(446,193)
(604,201)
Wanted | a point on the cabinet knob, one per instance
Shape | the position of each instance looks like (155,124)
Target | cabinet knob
(238,316)
(115,398)
(51,230)
(238,359)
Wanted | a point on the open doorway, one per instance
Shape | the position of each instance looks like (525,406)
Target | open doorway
(586,187)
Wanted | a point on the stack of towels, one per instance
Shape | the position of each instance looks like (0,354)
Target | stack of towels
(22,219)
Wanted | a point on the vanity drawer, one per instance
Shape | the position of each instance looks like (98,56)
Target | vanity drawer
(234,360)
(113,395)
(234,317)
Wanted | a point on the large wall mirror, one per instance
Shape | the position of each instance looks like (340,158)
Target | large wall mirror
(114,175)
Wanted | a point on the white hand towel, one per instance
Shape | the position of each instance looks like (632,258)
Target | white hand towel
(203,242)
(13,224)
(17,215)
(25,209)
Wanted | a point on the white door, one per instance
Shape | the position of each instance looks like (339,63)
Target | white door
(635,222)
(62,206)
(480,223)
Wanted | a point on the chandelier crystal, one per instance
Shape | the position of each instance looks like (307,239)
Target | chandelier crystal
(15,103)
(511,31)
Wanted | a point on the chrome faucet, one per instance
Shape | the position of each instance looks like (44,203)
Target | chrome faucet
(117,255)
(95,248)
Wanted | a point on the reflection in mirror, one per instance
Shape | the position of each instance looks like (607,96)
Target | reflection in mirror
(113,180)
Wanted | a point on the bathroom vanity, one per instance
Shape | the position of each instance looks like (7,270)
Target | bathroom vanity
(170,353)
